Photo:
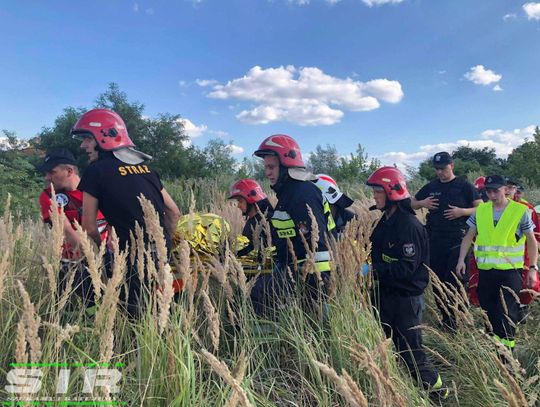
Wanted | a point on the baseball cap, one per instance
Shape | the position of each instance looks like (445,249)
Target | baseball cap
(495,182)
(511,181)
(442,159)
(57,157)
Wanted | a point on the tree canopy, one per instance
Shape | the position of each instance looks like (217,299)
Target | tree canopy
(163,137)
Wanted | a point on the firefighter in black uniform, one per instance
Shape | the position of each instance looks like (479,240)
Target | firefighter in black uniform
(254,204)
(339,202)
(450,201)
(295,191)
(399,256)
(252,201)
(114,180)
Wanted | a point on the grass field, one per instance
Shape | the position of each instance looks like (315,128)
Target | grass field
(207,348)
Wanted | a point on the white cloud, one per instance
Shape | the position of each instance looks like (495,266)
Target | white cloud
(304,96)
(235,149)
(442,72)
(481,76)
(205,82)
(149,11)
(497,88)
(502,141)
(218,133)
(136,7)
(183,84)
(371,3)
(532,10)
(191,129)
(510,16)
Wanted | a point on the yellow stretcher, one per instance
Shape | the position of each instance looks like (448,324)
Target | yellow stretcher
(206,235)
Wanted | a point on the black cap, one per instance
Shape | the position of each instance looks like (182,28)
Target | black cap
(495,182)
(57,157)
(442,159)
(511,181)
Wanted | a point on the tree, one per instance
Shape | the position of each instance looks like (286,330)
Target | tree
(523,160)
(468,160)
(18,176)
(356,167)
(324,160)
(218,159)
(163,138)
(251,168)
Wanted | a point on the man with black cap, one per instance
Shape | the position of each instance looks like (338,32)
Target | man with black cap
(503,229)
(450,200)
(60,170)
(113,182)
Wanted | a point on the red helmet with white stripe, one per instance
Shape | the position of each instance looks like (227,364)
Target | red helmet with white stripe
(107,128)
(284,147)
(249,189)
(329,188)
(392,181)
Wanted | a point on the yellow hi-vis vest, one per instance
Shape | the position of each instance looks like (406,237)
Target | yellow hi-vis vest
(285,228)
(496,247)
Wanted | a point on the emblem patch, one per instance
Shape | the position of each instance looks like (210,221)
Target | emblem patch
(408,250)
(302,227)
(62,200)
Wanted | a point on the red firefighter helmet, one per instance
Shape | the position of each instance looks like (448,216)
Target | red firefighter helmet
(107,128)
(249,189)
(392,181)
(479,183)
(284,147)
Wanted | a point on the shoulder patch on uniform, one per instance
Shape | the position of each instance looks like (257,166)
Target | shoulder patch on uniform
(409,250)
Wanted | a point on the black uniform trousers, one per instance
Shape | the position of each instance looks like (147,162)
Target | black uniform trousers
(490,286)
(398,316)
(272,291)
(82,282)
(444,255)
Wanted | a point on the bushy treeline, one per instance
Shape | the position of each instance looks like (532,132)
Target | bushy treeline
(164,137)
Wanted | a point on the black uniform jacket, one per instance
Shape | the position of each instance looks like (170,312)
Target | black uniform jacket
(293,196)
(343,216)
(399,253)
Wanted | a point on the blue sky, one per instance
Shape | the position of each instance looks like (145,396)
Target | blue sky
(405,78)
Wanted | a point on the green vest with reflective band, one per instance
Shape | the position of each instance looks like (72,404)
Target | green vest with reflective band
(496,247)
(285,228)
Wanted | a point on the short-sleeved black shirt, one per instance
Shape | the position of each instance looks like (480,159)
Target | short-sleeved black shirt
(458,192)
(117,186)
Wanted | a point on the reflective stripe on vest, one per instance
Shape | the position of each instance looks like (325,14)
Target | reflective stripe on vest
(496,247)
(322,261)
(284,225)
(330,224)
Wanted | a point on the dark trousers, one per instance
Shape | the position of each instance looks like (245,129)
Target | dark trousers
(490,286)
(82,283)
(444,254)
(131,290)
(398,316)
(271,291)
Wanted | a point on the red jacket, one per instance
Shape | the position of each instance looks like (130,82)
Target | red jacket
(72,202)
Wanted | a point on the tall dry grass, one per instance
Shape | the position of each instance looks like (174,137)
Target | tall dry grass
(208,348)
